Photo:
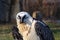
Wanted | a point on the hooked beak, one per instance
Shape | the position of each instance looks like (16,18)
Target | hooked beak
(21,21)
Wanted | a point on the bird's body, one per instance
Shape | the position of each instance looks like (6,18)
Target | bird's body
(31,29)
(28,33)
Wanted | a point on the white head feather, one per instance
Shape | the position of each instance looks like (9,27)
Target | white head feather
(27,20)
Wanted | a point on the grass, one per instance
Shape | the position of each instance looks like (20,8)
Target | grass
(56,30)
(56,34)
(6,36)
(5,31)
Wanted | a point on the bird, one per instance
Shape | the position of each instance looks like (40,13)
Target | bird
(31,29)
(15,33)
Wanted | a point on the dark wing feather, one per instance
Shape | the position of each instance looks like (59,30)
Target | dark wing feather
(16,34)
(43,31)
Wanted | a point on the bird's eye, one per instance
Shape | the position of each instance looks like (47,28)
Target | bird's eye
(19,17)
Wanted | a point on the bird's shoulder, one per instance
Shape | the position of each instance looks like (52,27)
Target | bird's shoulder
(43,31)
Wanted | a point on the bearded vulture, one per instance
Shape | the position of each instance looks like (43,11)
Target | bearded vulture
(31,29)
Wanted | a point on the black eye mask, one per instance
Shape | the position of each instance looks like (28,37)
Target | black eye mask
(24,17)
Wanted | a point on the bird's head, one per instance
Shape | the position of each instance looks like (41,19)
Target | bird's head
(24,17)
